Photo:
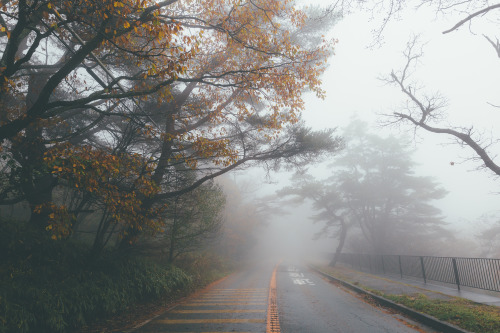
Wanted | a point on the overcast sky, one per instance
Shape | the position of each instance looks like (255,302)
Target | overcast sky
(460,65)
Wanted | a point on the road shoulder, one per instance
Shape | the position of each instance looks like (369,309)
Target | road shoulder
(455,314)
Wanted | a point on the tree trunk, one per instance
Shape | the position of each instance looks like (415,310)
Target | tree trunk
(36,182)
(131,235)
(99,243)
(171,249)
(340,246)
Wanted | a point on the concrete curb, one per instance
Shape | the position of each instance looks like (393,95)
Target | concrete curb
(423,318)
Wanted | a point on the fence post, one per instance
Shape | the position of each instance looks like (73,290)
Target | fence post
(455,270)
(383,266)
(400,267)
(370,262)
(423,269)
(359,261)
(352,260)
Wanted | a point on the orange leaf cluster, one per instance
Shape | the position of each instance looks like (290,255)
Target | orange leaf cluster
(60,220)
(120,182)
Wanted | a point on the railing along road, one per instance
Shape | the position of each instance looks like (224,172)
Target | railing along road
(481,273)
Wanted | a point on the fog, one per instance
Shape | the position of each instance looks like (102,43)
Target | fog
(290,237)
(461,65)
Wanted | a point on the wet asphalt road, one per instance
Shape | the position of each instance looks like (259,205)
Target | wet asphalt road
(306,303)
(237,304)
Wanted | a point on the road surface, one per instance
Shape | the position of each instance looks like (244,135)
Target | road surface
(277,298)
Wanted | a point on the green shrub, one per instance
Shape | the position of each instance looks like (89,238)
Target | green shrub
(203,267)
(48,286)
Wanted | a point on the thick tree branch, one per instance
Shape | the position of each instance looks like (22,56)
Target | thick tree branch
(463,137)
(471,16)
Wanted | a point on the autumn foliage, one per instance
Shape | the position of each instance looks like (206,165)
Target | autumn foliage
(108,106)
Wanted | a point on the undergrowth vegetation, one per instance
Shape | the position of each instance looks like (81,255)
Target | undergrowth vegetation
(50,286)
(466,314)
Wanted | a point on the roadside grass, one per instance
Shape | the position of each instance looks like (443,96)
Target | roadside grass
(50,286)
(463,313)
(460,312)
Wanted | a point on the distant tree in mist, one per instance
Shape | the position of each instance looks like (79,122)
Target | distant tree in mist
(392,207)
(374,193)
(489,235)
(243,218)
(328,202)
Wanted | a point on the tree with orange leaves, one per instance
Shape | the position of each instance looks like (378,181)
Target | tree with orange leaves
(172,85)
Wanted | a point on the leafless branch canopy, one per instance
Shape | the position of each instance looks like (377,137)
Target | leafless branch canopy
(422,111)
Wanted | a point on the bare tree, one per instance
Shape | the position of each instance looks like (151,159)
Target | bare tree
(384,11)
(427,112)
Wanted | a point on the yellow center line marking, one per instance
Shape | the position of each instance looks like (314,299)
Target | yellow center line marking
(237,291)
(273,323)
(218,311)
(239,297)
(233,296)
(238,294)
(220,304)
(229,301)
(210,321)
(240,289)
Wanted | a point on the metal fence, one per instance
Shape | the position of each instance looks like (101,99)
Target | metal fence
(481,273)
